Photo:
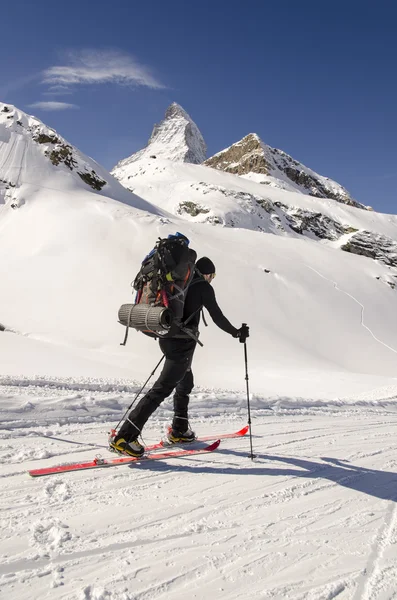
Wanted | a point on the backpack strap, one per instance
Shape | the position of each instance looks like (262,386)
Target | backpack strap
(200,278)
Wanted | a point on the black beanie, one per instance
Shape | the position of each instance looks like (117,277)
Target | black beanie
(205,266)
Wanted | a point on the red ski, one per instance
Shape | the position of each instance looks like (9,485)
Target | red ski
(99,463)
(205,438)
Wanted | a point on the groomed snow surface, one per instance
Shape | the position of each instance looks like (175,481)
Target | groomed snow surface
(312,517)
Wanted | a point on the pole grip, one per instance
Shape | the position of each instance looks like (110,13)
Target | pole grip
(244,333)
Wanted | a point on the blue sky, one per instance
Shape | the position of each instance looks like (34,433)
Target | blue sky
(316,78)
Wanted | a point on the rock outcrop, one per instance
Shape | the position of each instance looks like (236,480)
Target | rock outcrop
(373,245)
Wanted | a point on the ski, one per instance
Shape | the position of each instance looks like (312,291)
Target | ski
(99,463)
(206,438)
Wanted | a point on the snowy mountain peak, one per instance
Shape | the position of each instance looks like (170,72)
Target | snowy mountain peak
(176,110)
(35,161)
(253,159)
(31,151)
(175,138)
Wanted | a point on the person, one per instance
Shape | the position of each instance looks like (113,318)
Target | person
(177,373)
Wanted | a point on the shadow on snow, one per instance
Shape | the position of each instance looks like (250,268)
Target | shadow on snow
(379,484)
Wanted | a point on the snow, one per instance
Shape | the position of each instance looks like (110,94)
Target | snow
(313,516)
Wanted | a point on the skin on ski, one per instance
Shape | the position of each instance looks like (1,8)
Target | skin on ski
(104,462)
(205,438)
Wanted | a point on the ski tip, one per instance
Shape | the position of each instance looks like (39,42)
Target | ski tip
(244,430)
(213,446)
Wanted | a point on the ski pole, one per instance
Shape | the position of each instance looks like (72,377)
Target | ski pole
(248,398)
(137,395)
(243,340)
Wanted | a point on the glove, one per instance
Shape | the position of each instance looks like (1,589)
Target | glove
(243,333)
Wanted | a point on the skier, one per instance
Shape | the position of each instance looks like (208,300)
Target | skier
(177,373)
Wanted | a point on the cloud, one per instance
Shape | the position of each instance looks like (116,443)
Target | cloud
(58,90)
(53,105)
(100,66)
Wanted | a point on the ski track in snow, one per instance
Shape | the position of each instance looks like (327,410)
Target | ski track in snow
(312,518)
(357,302)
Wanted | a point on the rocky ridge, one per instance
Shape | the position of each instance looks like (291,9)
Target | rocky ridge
(251,156)
(279,218)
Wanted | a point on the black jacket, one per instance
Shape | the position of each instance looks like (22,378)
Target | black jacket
(201,294)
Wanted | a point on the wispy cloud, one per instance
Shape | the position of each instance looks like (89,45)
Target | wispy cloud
(100,66)
(58,90)
(53,105)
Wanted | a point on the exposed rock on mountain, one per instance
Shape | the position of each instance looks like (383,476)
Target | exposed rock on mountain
(176,138)
(378,247)
(251,156)
(266,215)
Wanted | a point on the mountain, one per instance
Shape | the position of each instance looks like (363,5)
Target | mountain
(62,219)
(253,159)
(68,253)
(202,194)
(35,159)
(176,138)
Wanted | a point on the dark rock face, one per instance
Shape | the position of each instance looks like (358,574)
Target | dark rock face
(243,157)
(92,179)
(373,245)
(63,153)
(43,138)
(192,208)
(315,187)
(304,221)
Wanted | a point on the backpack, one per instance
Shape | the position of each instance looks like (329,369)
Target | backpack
(161,285)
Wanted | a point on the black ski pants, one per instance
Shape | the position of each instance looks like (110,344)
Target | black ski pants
(176,374)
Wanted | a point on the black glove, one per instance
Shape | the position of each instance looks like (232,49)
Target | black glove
(243,333)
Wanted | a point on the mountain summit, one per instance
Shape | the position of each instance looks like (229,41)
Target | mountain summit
(31,152)
(37,164)
(175,138)
(256,160)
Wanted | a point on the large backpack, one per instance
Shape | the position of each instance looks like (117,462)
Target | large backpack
(161,285)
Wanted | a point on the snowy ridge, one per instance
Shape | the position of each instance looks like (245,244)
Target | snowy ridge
(176,138)
(201,194)
(34,158)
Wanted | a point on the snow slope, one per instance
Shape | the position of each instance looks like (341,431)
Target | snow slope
(227,199)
